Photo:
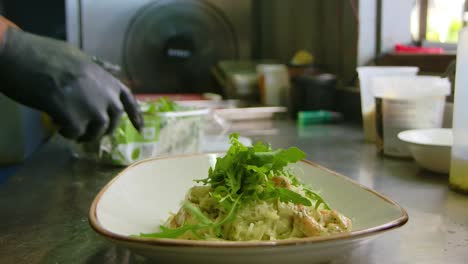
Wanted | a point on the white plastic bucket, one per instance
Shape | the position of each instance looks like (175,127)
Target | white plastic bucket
(366,74)
(404,103)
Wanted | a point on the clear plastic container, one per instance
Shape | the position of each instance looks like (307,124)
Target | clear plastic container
(366,73)
(402,103)
(458,179)
(165,133)
(274,84)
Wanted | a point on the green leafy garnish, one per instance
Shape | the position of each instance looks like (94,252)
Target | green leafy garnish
(197,213)
(286,195)
(245,175)
(170,232)
(164,105)
(136,153)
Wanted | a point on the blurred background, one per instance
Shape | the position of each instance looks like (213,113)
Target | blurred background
(178,46)
(286,56)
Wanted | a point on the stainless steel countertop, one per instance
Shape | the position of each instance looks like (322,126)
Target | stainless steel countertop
(44,205)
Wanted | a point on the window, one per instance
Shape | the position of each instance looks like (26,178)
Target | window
(437,21)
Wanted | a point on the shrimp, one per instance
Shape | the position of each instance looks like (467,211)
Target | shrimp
(333,219)
(281,181)
(180,218)
(307,224)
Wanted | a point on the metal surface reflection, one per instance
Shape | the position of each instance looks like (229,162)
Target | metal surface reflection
(44,205)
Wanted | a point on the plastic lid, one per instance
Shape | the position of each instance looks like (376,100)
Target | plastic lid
(410,87)
(387,67)
(271,67)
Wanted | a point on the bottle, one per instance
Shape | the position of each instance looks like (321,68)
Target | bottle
(458,179)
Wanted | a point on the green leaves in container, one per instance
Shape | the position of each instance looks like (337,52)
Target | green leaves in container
(136,153)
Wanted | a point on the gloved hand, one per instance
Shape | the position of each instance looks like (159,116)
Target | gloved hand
(83,99)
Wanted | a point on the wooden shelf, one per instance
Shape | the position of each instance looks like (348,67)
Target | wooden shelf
(427,63)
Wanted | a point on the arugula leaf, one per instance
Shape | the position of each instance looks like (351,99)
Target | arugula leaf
(286,195)
(136,153)
(163,105)
(319,200)
(230,215)
(169,232)
(243,175)
(195,211)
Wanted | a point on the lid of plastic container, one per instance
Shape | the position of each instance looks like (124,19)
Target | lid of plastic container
(387,69)
(410,87)
(271,67)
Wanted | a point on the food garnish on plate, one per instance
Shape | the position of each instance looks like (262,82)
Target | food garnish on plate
(250,194)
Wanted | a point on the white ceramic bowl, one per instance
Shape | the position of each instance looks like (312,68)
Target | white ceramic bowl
(430,147)
(141,197)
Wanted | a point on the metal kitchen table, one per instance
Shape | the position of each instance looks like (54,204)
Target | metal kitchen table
(44,204)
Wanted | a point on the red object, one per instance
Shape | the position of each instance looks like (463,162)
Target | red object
(417,50)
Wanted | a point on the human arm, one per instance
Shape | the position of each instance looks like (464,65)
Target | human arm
(49,75)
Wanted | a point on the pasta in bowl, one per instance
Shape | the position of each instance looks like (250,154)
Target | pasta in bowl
(250,195)
(291,211)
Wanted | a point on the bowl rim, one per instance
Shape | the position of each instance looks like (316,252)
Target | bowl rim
(402,137)
(167,242)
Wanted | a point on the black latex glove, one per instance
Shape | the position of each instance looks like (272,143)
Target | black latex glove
(83,99)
